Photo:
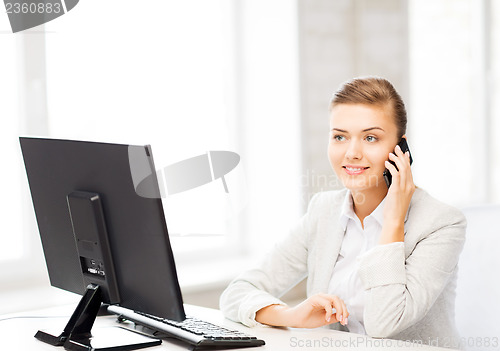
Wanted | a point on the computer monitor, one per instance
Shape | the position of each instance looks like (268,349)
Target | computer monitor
(99,237)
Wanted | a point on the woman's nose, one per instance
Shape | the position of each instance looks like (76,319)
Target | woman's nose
(354,150)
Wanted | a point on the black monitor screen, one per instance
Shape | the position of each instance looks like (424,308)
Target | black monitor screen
(136,227)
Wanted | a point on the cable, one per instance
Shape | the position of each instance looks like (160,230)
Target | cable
(31,317)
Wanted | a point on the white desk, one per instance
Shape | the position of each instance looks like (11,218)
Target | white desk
(18,333)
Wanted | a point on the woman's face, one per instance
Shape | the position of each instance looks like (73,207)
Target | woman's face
(361,138)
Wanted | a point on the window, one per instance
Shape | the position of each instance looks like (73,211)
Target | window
(223,77)
(11,218)
(161,76)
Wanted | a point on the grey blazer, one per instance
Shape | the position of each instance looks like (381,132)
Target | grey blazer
(410,288)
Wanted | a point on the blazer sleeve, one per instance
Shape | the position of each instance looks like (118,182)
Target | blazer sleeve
(399,291)
(282,268)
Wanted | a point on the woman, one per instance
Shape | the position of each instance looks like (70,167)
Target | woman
(378,260)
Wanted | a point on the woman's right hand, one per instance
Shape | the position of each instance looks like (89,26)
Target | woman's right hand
(316,311)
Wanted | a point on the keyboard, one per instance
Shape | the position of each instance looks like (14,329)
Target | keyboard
(191,330)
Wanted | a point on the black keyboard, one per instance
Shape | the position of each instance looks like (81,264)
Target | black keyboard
(191,330)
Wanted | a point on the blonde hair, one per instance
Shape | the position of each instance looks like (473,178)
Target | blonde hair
(373,91)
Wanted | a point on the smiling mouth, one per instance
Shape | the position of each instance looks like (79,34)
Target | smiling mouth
(355,169)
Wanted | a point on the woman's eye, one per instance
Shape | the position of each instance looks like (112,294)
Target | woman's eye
(371,138)
(338,137)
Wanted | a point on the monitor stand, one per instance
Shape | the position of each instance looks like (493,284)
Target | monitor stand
(77,333)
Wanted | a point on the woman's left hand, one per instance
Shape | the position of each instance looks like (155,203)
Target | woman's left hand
(398,197)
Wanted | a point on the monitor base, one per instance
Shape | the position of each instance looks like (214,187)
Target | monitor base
(77,334)
(112,338)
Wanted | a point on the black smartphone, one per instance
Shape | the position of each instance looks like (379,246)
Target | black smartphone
(387,174)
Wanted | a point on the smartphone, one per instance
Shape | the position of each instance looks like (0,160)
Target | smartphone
(387,174)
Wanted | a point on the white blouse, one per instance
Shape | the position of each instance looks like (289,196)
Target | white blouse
(345,281)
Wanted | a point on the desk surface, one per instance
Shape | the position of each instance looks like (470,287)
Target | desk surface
(17,333)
